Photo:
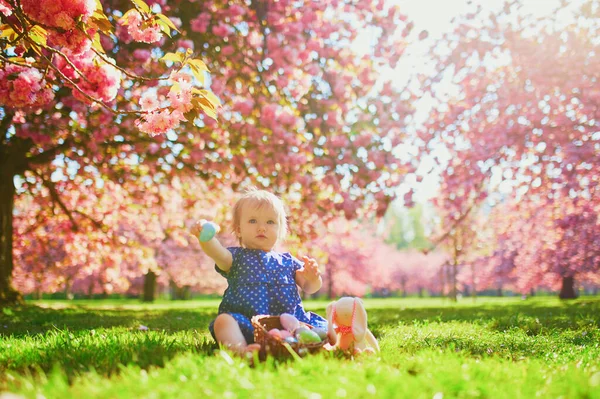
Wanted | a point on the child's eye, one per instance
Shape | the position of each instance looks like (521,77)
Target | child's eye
(252,221)
(271,222)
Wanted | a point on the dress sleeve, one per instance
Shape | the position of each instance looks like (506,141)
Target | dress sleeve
(234,252)
(296,263)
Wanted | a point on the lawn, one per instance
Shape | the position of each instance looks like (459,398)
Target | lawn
(430,348)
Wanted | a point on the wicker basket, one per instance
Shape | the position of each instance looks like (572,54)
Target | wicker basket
(275,346)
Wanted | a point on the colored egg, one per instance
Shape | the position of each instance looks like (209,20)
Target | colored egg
(291,340)
(300,329)
(209,229)
(275,333)
(302,352)
(288,321)
(321,332)
(285,334)
(308,337)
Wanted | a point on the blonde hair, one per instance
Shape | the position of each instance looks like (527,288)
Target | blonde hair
(260,198)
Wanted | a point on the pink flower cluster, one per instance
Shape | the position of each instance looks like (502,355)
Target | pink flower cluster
(5,8)
(59,13)
(102,80)
(181,100)
(201,22)
(22,87)
(151,34)
(160,120)
(75,40)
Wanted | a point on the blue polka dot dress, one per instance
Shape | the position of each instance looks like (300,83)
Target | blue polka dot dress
(262,283)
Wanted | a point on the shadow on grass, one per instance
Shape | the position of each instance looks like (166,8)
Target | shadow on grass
(533,317)
(31,320)
(79,339)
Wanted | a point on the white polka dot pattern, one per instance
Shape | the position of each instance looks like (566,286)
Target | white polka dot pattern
(263,283)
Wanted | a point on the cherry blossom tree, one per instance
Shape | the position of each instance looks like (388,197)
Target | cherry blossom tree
(516,99)
(303,113)
(55,78)
(551,246)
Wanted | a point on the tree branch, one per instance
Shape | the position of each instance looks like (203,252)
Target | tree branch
(48,155)
(4,125)
(56,199)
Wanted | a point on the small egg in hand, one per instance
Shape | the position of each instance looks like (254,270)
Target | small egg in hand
(209,229)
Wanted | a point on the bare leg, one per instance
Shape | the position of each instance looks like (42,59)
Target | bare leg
(228,333)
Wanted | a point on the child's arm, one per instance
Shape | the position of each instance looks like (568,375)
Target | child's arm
(213,248)
(309,277)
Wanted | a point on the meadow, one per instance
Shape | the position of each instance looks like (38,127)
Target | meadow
(430,348)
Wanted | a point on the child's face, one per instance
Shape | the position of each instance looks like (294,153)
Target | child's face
(259,227)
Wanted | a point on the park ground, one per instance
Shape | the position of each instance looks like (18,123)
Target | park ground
(430,348)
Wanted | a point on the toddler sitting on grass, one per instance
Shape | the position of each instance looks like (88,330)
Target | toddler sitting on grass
(260,280)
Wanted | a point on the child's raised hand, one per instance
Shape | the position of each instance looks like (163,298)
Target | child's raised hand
(196,228)
(310,271)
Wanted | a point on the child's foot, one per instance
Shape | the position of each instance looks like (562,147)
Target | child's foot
(250,349)
(328,347)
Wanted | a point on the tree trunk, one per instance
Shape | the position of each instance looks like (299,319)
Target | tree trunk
(474,282)
(453,288)
(149,286)
(499,291)
(91,288)
(443,280)
(568,288)
(329,283)
(8,295)
(68,293)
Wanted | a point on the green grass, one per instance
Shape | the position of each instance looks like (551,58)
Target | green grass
(431,348)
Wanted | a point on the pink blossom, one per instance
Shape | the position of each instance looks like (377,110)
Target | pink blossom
(176,21)
(5,8)
(102,80)
(181,100)
(236,10)
(217,86)
(59,13)
(74,39)
(200,23)
(244,107)
(107,42)
(332,118)
(180,76)
(254,39)
(227,50)
(222,29)
(149,102)
(151,34)
(142,55)
(155,122)
(153,148)
(287,118)
(185,44)
(22,87)
(268,114)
